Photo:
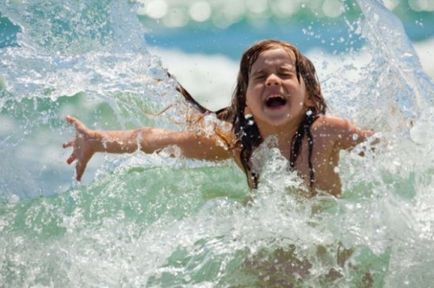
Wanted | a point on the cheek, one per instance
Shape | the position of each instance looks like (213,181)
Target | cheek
(294,85)
(251,96)
(309,102)
(249,101)
(298,89)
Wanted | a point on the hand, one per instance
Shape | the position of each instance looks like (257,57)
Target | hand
(83,146)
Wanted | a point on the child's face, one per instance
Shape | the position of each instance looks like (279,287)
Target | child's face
(275,97)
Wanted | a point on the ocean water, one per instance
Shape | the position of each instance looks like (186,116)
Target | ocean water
(154,221)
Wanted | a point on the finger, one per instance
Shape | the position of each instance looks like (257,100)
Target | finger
(69,143)
(79,169)
(79,126)
(71,158)
(70,119)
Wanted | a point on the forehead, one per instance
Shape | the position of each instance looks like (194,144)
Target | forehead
(274,57)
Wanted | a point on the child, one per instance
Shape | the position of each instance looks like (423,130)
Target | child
(277,94)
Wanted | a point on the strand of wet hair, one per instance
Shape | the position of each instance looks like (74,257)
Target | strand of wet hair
(303,129)
(250,139)
(221,114)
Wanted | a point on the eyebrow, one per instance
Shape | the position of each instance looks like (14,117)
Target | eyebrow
(287,67)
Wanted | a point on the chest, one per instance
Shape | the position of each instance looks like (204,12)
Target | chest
(321,161)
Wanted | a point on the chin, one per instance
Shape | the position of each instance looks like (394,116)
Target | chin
(284,117)
(277,121)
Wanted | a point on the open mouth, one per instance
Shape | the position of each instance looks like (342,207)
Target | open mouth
(274,102)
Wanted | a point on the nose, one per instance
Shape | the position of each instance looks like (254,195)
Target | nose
(272,80)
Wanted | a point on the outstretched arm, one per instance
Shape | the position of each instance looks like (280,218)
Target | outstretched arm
(87,142)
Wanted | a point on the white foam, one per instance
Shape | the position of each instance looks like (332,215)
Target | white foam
(425,51)
(327,64)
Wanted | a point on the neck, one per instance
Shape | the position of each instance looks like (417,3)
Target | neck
(284,133)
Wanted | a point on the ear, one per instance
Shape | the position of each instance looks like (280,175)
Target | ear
(247,111)
(308,102)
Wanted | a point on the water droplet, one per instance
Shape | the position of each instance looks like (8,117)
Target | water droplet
(355,137)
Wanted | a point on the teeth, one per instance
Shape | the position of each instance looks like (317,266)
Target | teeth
(275,101)
(274,96)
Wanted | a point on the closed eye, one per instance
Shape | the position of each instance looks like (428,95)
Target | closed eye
(259,76)
(286,74)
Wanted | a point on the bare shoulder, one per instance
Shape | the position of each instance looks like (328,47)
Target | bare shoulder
(330,121)
(343,132)
(331,125)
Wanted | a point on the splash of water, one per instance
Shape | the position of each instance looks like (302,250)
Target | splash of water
(146,220)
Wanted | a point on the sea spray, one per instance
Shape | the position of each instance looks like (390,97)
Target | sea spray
(149,220)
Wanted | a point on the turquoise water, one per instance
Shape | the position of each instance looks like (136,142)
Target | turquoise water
(152,221)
